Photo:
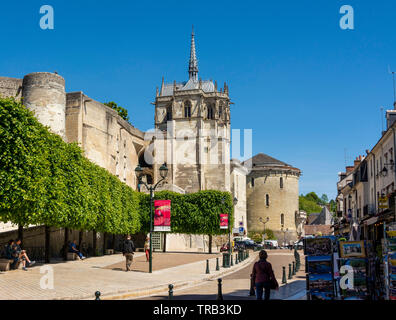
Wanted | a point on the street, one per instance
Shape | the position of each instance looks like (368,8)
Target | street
(235,286)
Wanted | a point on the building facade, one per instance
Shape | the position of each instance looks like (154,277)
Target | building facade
(366,190)
(238,191)
(192,121)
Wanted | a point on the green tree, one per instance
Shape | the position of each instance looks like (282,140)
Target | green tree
(333,205)
(312,196)
(324,199)
(308,205)
(122,112)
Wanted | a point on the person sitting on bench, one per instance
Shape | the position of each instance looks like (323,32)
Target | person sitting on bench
(21,255)
(8,250)
(73,249)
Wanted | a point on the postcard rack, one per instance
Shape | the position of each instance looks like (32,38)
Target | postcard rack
(355,254)
(319,268)
(390,260)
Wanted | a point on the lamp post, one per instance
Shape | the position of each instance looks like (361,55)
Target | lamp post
(284,235)
(264,222)
(235,201)
(163,173)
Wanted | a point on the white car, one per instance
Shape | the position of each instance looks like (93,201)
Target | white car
(273,243)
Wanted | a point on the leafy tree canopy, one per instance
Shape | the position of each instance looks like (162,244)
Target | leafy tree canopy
(312,203)
(122,112)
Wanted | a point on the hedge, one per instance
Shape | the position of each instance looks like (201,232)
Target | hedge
(44,180)
(195,213)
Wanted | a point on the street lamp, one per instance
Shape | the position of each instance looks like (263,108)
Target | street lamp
(391,164)
(235,201)
(284,235)
(264,222)
(163,173)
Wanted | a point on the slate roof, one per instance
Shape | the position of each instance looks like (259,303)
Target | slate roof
(314,229)
(207,86)
(262,159)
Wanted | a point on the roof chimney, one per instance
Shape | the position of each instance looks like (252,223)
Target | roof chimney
(349,169)
(357,161)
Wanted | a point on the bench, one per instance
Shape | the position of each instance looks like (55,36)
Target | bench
(5,265)
(72,256)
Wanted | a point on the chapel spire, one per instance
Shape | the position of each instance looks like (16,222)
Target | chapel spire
(193,63)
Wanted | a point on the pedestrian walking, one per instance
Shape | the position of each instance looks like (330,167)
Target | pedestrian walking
(128,251)
(147,248)
(263,277)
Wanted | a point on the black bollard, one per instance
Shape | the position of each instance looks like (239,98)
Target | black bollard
(236,258)
(290,272)
(217,264)
(251,291)
(294,269)
(297,265)
(284,275)
(170,291)
(219,290)
(207,267)
(232,258)
(97,295)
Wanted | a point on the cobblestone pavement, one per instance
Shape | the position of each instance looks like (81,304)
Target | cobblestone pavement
(236,285)
(80,279)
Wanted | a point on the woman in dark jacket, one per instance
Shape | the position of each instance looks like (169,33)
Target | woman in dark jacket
(263,277)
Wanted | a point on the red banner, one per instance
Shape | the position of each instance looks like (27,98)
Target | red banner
(223,220)
(162,215)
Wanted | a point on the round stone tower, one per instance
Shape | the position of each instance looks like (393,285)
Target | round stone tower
(44,94)
(272,197)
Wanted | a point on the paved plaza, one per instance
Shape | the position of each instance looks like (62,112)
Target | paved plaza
(186,271)
(80,279)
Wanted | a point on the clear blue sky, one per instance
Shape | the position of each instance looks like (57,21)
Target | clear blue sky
(308,89)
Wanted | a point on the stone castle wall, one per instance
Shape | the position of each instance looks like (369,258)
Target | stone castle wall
(281,201)
(107,139)
(10,87)
(44,94)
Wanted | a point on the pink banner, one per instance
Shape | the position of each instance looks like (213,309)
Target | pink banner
(223,220)
(162,215)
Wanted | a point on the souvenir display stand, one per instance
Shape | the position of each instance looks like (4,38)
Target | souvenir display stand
(319,268)
(390,261)
(358,255)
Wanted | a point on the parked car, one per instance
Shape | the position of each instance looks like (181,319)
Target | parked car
(271,244)
(225,247)
(250,244)
(239,245)
(299,245)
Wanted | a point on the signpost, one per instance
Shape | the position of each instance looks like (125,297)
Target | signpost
(224,224)
(383,203)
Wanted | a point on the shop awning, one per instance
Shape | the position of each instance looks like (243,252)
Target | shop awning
(371,221)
